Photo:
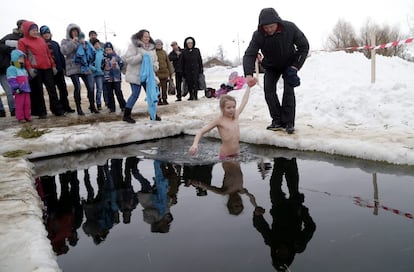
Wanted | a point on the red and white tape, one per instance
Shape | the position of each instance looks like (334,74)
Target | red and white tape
(365,203)
(370,47)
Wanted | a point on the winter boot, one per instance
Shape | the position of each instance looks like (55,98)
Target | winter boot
(91,99)
(92,106)
(157,118)
(191,95)
(77,97)
(79,109)
(127,116)
(2,113)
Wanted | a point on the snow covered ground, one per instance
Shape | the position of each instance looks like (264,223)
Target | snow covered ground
(339,111)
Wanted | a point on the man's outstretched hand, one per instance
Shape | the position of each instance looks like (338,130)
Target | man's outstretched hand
(251,81)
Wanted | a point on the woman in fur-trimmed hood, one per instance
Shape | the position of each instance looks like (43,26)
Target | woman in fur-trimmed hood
(133,56)
(68,48)
(141,44)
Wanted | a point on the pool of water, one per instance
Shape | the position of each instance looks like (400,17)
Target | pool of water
(151,207)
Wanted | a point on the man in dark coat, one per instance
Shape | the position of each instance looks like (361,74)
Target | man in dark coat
(174,56)
(60,62)
(7,44)
(284,48)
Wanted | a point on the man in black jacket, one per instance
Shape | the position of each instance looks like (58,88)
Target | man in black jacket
(284,48)
(7,44)
(174,56)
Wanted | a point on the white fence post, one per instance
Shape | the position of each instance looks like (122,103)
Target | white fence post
(373,58)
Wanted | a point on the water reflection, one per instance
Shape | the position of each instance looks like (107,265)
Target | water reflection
(232,186)
(292,226)
(121,205)
(101,210)
(291,229)
(198,174)
(64,215)
(157,203)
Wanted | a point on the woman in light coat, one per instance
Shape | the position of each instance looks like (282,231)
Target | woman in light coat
(141,43)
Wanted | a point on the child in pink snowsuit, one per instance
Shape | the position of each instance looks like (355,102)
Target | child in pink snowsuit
(236,81)
(18,79)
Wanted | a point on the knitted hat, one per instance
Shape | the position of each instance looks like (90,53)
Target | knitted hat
(44,29)
(34,27)
(81,36)
(158,41)
(108,45)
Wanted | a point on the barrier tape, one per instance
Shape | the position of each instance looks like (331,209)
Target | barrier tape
(365,203)
(370,47)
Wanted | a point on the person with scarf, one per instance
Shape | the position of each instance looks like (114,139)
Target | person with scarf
(139,75)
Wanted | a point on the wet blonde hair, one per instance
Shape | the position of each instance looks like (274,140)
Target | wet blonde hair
(225,98)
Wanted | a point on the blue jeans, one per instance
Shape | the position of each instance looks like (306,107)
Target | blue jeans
(98,82)
(7,90)
(135,91)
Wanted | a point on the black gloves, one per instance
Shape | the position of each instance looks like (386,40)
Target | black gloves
(291,77)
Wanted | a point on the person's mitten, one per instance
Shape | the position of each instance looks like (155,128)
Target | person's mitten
(32,73)
(291,77)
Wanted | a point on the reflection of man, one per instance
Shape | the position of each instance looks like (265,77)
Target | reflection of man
(292,226)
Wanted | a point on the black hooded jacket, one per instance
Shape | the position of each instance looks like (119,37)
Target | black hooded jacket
(190,62)
(287,47)
(5,50)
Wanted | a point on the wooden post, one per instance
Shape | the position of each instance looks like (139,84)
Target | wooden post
(373,58)
(376,200)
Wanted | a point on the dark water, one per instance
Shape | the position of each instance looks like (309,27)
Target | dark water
(308,211)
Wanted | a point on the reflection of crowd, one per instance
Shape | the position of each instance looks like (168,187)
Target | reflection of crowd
(114,198)
(291,229)
(64,214)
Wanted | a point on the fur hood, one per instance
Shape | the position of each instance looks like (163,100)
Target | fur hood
(138,43)
(69,28)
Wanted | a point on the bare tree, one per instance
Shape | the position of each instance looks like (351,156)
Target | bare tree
(220,52)
(383,35)
(343,36)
